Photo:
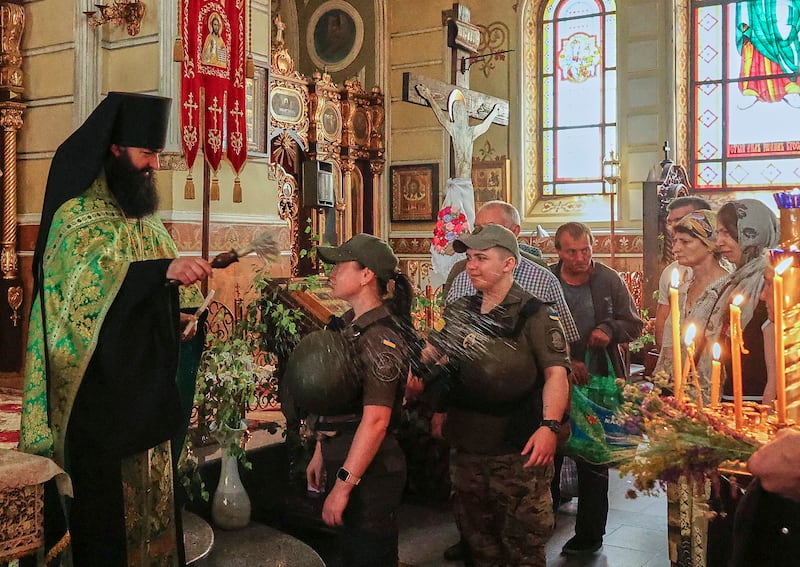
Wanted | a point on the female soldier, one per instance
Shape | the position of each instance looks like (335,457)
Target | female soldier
(365,466)
(505,398)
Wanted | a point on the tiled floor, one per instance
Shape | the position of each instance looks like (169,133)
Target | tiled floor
(636,533)
(636,536)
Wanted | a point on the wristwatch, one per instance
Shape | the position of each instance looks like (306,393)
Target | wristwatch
(345,476)
(552,424)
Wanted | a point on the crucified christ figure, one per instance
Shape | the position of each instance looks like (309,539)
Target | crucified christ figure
(457,125)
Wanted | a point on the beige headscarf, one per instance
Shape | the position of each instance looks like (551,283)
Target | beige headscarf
(700,224)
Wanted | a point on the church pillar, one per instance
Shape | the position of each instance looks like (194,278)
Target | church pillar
(376,167)
(345,208)
(12,22)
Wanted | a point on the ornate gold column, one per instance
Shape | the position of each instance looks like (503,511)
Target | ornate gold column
(376,167)
(346,206)
(12,23)
(11,122)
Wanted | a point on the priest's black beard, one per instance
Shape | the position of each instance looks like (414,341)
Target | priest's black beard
(134,189)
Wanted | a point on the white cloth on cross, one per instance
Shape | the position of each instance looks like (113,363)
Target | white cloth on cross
(457,193)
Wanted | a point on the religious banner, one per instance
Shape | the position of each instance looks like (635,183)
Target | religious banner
(213,86)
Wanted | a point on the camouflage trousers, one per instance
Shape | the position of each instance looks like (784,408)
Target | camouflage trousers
(503,510)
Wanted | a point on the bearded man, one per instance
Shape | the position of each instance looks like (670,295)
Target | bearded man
(101,397)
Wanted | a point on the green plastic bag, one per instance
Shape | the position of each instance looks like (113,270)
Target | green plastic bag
(595,437)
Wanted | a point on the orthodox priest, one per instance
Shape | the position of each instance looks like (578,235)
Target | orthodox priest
(101,396)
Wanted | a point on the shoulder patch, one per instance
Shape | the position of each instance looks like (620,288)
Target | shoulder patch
(388,366)
(555,340)
(553,316)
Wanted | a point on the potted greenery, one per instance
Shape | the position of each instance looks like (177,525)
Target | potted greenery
(231,378)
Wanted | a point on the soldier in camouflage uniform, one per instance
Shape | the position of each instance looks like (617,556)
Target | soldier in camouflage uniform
(505,393)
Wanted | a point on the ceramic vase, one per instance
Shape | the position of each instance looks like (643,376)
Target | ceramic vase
(230,508)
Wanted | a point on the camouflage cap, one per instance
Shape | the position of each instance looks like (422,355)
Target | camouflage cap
(488,236)
(367,250)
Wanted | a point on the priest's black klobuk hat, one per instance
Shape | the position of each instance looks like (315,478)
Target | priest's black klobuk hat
(126,119)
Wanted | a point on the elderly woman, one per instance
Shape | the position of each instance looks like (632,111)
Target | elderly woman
(694,245)
(745,230)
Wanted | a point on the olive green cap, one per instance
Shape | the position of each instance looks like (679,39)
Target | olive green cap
(488,236)
(367,250)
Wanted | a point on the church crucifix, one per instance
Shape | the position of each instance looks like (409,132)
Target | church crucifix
(463,38)
(460,104)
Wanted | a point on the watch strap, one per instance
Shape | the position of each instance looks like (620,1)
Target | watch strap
(346,476)
(553,425)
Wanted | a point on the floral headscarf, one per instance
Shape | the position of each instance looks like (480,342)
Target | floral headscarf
(702,225)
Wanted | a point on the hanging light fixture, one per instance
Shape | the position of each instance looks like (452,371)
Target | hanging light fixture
(121,12)
(612,177)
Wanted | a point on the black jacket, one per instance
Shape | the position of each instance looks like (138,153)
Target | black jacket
(615,312)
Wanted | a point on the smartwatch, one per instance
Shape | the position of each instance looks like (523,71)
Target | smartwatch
(553,425)
(345,476)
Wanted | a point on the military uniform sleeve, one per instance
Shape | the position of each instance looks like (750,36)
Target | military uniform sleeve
(546,338)
(385,363)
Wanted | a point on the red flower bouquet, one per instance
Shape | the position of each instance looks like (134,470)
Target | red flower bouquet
(450,224)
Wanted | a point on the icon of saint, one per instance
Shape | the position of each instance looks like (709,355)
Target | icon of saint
(215,52)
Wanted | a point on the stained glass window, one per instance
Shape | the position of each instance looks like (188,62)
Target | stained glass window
(745,94)
(579,94)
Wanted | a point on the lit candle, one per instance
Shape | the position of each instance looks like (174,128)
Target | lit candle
(736,358)
(690,373)
(675,319)
(715,374)
(780,363)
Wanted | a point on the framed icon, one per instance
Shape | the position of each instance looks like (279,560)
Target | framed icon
(255,117)
(361,127)
(331,122)
(285,105)
(414,192)
(491,181)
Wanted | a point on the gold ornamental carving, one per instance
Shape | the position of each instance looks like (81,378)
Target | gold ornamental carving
(12,23)
(288,209)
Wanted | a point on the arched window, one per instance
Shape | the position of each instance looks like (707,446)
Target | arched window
(578,94)
(744,93)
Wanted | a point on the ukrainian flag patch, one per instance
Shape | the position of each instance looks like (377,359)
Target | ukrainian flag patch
(389,343)
(553,316)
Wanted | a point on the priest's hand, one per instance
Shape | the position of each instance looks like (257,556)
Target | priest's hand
(188,270)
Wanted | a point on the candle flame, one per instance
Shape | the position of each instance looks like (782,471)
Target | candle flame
(717,350)
(783,266)
(738,300)
(676,279)
(691,331)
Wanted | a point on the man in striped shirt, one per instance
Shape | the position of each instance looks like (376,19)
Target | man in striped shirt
(532,277)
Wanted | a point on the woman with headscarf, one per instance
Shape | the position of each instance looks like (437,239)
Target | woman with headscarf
(745,229)
(695,246)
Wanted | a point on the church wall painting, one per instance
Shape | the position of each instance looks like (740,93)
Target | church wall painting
(414,192)
(491,181)
(335,35)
